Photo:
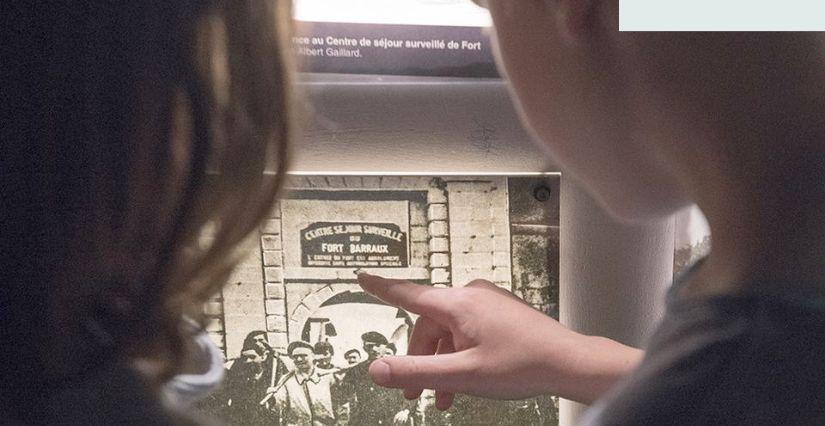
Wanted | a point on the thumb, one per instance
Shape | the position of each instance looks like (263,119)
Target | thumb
(452,372)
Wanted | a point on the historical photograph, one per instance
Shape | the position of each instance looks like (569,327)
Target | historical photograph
(298,333)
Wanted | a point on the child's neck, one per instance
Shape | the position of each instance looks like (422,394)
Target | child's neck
(771,235)
(759,177)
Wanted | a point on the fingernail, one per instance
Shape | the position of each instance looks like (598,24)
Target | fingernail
(359,272)
(380,372)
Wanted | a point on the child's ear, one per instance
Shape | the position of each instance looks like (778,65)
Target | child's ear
(575,18)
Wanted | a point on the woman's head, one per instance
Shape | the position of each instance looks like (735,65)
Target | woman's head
(148,140)
(638,118)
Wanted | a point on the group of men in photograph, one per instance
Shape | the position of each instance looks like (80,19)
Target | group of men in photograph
(260,388)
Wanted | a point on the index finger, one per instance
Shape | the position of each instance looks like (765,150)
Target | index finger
(416,298)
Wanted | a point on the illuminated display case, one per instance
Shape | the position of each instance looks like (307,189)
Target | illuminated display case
(414,165)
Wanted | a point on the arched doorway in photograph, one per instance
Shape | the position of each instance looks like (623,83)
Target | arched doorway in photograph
(344,317)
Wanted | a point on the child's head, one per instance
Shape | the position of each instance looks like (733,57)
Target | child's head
(640,118)
(133,128)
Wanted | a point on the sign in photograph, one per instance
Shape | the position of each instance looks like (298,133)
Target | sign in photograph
(351,244)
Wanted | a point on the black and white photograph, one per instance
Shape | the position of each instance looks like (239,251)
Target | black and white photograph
(297,331)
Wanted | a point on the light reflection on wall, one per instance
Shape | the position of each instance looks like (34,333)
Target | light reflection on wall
(409,12)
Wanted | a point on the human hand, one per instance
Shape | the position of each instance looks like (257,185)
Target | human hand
(401,418)
(481,340)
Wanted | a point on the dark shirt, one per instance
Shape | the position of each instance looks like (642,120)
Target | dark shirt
(116,394)
(750,359)
(238,401)
(370,404)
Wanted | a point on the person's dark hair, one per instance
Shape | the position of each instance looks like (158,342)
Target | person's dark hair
(142,142)
(298,344)
(249,342)
(356,351)
(323,347)
(374,337)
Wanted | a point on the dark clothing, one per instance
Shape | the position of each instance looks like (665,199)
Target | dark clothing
(114,395)
(754,359)
(468,410)
(370,404)
(238,402)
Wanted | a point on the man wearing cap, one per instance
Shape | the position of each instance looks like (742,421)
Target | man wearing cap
(353,356)
(390,350)
(247,379)
(323,358)
(303,397)
(370,404)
